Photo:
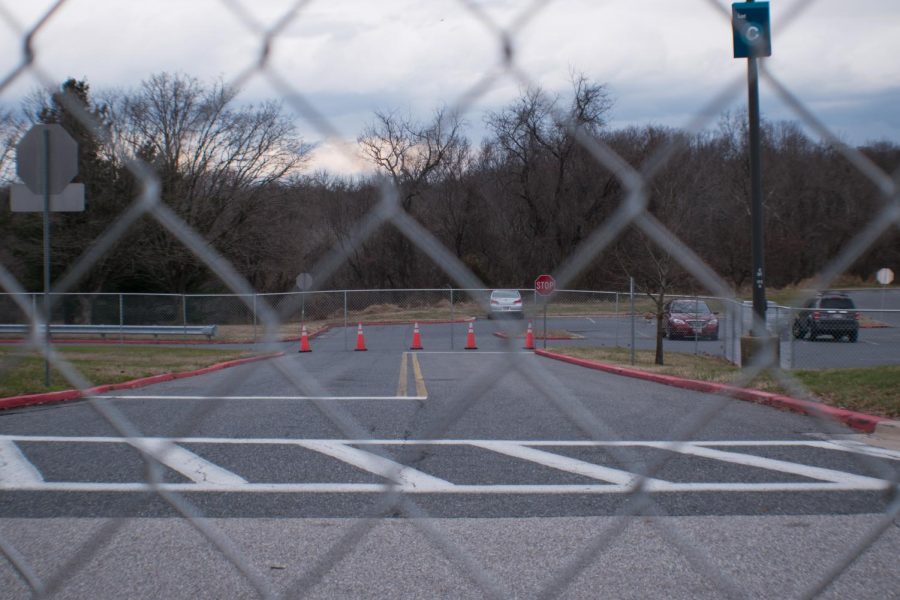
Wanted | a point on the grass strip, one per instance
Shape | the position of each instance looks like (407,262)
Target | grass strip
(23,369)
(871,390)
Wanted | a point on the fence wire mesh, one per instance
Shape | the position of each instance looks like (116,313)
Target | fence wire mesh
(233,559)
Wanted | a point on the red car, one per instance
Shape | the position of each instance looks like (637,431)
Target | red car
(689,318)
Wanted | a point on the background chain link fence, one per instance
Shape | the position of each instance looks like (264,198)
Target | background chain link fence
(270,318)
(593,318)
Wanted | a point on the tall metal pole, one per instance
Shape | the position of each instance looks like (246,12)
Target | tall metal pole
(545,322)
(121,318)
(631,296)
(254,317)
(46,165)
(452,317)
(758,328)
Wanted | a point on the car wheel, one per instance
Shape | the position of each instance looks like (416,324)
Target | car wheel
(798,331)
(812,334)
(714,336)
(853,336)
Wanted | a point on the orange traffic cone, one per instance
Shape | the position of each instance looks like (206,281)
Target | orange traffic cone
(360,340)
(529,338)
(304,340)
(417,338)
(470,339)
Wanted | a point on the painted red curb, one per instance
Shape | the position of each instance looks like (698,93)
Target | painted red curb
(857,420)
(65,395)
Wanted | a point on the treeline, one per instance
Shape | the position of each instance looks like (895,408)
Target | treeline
(515,205)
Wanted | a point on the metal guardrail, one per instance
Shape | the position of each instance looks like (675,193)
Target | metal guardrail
(103,330)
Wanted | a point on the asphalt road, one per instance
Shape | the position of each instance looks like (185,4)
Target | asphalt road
(521,472)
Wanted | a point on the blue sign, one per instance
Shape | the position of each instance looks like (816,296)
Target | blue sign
(752,33)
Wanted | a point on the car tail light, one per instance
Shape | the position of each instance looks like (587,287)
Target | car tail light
(494,302)
(519,301)
(816,316)
(856,316)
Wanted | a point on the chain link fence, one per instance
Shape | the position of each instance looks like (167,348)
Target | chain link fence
(578,318)
(599,318)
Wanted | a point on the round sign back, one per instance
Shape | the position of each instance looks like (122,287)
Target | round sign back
(304,281)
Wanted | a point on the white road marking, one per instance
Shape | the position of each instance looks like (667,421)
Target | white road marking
(778,465)
(17,473)
(477,353)
(591,320)
(251,398)
(371,488)
(187,463)
(15,468)
(859,448)
(561,463)
(400,474)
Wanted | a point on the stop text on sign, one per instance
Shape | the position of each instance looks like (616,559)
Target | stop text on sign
(544,285)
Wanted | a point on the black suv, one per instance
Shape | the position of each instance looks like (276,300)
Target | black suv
(829,313)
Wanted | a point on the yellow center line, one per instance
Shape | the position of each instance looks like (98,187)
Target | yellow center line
(401,387)
(420,381)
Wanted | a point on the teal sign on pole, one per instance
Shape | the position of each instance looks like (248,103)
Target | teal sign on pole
(752,31)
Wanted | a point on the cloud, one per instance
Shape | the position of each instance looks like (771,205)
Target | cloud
(663,60)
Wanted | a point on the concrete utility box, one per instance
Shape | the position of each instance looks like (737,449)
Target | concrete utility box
(769,347)
(752,30)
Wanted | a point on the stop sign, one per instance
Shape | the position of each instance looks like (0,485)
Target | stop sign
(544,285)
(47,151)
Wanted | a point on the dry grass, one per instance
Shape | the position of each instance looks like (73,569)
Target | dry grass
(871,390)
(23,369)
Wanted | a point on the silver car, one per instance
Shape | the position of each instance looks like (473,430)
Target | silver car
(506,302)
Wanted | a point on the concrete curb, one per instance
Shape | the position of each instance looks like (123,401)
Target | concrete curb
(434,322)
(888,430)
(65,395)
(860,421)
(552,338)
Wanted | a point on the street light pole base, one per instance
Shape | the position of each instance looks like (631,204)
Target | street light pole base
(765,349)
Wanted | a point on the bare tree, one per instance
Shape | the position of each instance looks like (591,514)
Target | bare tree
(12,128)
(673,193)
(218,164)
(548,174)
(415,156)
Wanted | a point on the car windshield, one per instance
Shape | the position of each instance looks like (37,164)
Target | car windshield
(697,307)
(505,294)
(843,303)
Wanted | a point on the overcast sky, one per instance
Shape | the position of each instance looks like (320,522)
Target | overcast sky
(662,59)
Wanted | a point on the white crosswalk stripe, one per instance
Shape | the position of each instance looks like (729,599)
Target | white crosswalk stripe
(15,469)
(18,473)
(187,463)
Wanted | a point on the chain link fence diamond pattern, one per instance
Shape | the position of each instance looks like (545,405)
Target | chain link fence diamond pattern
(400,489)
